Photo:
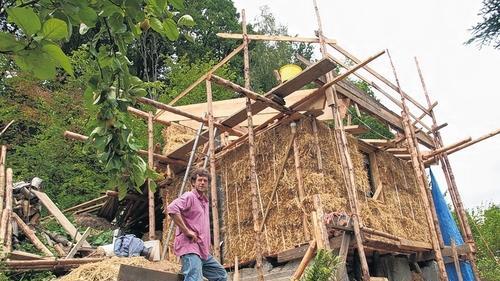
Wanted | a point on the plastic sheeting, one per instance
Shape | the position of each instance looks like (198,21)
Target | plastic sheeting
(450,231)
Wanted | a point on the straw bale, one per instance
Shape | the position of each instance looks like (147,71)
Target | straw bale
(284,224)
(175,136)
(107,270)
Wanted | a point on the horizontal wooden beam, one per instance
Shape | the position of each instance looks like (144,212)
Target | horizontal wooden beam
(161,158)
(274,38)
(453,150)
(372,106)
(380,77)
(356,129)
(439,127)
(250,94)
(144,115)
(448,147)
(174,110)
(49,263)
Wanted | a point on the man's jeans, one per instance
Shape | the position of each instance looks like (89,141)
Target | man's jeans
(193,267)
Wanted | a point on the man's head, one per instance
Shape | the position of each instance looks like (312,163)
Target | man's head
(200,178)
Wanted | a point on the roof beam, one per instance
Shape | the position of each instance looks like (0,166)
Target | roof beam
(274,38)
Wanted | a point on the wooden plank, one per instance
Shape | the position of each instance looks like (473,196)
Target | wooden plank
(63,220)
(376,175)
(305,77)
(273,38)
(151,194)
(134,273)
(356,129)
(78,244)
(298,252)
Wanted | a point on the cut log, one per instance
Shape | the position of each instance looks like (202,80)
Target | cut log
(305,261)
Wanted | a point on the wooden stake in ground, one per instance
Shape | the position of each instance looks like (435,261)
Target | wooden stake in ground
(300,184)
(418,166)
(346,162)
(251,153)
(213,186)
(151,195)
(450,180)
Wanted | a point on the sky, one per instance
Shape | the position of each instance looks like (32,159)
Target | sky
(462,78)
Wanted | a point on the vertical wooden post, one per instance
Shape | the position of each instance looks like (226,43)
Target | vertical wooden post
(450,179)
(236,275)
(3,155)
(251,153)
(455,260)
(2,187)
(213,183)
(300,184)
(345,157)
(316,144)
(151,195)
(8,209)
(323,238)
(419,168)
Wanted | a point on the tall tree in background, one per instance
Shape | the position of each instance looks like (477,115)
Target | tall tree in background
(487,31)
(267,56)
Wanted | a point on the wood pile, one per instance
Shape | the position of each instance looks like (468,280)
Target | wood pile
(20,224)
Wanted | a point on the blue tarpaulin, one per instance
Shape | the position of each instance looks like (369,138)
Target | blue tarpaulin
(450,231)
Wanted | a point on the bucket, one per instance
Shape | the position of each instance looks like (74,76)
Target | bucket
(289,71)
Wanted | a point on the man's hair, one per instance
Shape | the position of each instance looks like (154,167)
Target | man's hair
(200,172)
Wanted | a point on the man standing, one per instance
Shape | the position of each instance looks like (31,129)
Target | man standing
(192,236)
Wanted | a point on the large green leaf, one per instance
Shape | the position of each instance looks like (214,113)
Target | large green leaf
(88,16)
(156,25)
(40,64)
(8,43)
(171,30)
(186,20)
(59,57)
(26,19)
(178,4)
(55,29)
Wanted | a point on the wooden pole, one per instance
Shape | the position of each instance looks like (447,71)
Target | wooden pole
(323,233)
(213,182)
(418,166)
(151,194)
(444,149)
(317,145)
(300,183)
(450,178)
(308,256)
(204,77)
(75,136)
(236,275)
(144,115)
(251,153)
(2,187)
(31,235)
(3,155)
(346,162)
(264,37)
(456,260)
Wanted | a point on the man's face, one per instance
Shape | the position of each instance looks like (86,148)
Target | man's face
(201,184)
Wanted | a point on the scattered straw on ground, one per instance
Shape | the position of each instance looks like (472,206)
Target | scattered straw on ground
(107,270)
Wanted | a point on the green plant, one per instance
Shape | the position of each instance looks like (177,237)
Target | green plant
(102,238)
(323,267)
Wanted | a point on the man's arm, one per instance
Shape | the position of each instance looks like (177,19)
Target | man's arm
(179,221)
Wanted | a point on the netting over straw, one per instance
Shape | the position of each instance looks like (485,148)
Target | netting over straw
(400,213)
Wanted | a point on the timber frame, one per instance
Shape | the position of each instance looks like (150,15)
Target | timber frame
(338,93)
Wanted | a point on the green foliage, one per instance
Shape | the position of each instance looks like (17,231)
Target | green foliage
(30,275)
(103,238)
(117,26)
(323,268)
(183,73)
(378,130)
(265,57)
(485,224)
(487,31)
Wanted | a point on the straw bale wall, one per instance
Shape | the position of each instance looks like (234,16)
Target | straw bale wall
(399,212)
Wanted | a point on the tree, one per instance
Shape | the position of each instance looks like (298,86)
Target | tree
(487,31)
(265,57)
(485,222)
(43,25)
